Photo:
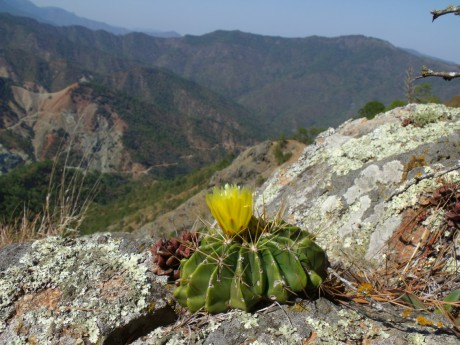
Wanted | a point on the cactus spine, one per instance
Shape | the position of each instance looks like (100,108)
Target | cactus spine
(240,269)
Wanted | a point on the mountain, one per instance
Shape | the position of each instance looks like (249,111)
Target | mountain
(59,17)
(111,131)
(299,82)
(286,82)
(57,93)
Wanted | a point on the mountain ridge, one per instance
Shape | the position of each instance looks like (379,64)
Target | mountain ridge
(286,82)
(60,17)
(262,85)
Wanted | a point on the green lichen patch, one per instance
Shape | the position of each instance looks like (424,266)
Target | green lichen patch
(349,327)
(428,114)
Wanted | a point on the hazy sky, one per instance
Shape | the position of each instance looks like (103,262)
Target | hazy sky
(404,23)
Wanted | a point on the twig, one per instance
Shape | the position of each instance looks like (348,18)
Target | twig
(416,180)
(284,311)
(427,72)
(343,280)
(450,9)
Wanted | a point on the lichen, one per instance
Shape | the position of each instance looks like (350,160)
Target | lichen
(409,195)
(93,279)
(429,115)
(416,339)
(176,340)
(414,162)
(388,140)
(248,320)
(288,334)
(350,326)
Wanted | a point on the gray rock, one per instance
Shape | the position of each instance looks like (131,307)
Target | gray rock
(9,160)
(317,322)
(352,186)
(96,289)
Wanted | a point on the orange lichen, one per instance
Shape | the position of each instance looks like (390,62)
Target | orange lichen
(365,288)
(48,298)
(423,321)
(414,162)
(406,313)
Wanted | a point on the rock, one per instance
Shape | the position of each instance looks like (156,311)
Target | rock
(9,160)
(100,290)
(352,187)
(317,322)
(89,290)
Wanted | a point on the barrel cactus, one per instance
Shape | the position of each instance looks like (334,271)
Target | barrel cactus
(248,260)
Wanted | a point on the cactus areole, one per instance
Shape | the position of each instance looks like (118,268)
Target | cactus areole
(249,260)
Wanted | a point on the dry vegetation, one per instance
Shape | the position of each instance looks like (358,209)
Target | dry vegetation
(64,209)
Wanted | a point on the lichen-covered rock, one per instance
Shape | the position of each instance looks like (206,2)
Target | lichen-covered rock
(318,322)
(99,290)
(351,187)
(96,289)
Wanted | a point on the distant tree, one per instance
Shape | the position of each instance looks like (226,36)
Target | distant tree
(278,150)
(307,135)
(371,109)
(395,104)
(426,71)
(423,94)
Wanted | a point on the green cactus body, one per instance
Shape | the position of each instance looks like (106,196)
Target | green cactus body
(224,274)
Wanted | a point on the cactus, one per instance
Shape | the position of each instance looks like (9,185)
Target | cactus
(239,268)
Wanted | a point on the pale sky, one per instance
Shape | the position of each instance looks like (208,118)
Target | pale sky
(404,23)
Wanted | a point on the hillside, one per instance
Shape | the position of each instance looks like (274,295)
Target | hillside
(298,82)
(110,131)
(287,82)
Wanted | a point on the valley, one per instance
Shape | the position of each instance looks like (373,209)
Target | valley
(161,113)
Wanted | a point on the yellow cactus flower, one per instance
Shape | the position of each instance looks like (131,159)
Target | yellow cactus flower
(231,206)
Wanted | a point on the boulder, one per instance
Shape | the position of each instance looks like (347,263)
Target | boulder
(90,290)
(352,187)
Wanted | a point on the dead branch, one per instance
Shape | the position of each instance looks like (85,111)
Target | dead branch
(427,72)
(450,9)
(418,179)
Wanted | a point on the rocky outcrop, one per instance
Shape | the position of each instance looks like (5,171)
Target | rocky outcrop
(100,290)
(352,188)
(9,160)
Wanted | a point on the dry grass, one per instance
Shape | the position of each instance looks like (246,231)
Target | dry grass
(64,207)
(62,216)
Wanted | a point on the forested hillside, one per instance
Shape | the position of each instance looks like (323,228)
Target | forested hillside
(287,82)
